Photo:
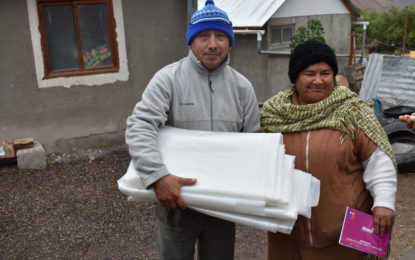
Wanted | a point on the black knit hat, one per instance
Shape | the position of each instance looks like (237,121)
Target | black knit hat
(309,53)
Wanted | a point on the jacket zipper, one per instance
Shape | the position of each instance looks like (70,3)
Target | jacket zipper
(211,103)
(310,235)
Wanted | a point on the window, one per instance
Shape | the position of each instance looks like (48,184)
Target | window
(281,34)
(77,37)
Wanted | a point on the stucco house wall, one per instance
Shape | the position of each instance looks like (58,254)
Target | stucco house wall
(80,116)
(93,115)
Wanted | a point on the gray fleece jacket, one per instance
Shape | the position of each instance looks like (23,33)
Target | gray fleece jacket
(185,94)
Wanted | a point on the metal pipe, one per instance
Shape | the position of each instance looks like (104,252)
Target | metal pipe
(259,34)
(249,31)
(365,24)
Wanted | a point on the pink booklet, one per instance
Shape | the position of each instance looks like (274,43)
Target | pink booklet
(358,233)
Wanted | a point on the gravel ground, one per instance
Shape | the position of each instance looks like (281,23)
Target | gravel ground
(73,210)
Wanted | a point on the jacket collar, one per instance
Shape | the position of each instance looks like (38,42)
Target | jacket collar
(200,66)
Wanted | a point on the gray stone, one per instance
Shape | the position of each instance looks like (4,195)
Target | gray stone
(409,255)
(31,158)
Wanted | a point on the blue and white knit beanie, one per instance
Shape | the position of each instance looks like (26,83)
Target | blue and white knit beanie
(209,18)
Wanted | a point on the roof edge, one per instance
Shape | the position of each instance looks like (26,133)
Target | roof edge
(352,8)
(248,27)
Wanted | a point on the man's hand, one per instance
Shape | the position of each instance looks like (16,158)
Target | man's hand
(383,219)
(409,120)
(168,188)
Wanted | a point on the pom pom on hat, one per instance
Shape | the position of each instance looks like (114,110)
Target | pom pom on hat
(209,18)
(309,53)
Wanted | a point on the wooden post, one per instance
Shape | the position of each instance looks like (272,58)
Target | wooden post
(352,57)
(191,8)
(405,30)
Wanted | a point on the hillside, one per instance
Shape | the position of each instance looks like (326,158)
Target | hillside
(402,2)
(381,5)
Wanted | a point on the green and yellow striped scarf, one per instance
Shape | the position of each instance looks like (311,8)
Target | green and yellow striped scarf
(342,110)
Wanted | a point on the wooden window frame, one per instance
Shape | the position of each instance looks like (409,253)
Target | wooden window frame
(82,71)
(281,27)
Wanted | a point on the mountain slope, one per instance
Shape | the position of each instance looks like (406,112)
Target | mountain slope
(402,3)
(381,5)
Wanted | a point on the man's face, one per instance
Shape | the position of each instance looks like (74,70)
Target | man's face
(211,47)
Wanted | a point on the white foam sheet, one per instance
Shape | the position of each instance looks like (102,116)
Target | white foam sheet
(225,157)
(242,177)
(267,224)
(300,202)
(259,222)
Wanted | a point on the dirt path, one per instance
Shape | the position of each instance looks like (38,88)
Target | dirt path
(73,209)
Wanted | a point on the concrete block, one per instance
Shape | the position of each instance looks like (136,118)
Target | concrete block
(31,158)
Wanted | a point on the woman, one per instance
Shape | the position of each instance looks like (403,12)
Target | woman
(336,138)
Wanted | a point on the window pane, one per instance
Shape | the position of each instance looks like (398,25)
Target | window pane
(60,37)
(286,34)
(93,23)
(275,34)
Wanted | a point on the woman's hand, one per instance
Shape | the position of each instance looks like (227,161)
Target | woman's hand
(409,120)
(383,219)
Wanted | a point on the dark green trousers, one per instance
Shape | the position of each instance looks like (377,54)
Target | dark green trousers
(179,231)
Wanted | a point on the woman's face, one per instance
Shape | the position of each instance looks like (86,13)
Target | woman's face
(314,83)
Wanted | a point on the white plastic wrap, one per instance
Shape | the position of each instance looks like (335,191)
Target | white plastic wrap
(242,177)
(267,224)
(211,156)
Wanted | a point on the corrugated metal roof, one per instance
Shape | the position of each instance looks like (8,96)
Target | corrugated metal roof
(247,13)
(391,79)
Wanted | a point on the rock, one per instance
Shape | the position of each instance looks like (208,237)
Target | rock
(342,81)
(32,158)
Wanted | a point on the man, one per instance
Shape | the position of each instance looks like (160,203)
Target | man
(409,120)
(200,92)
